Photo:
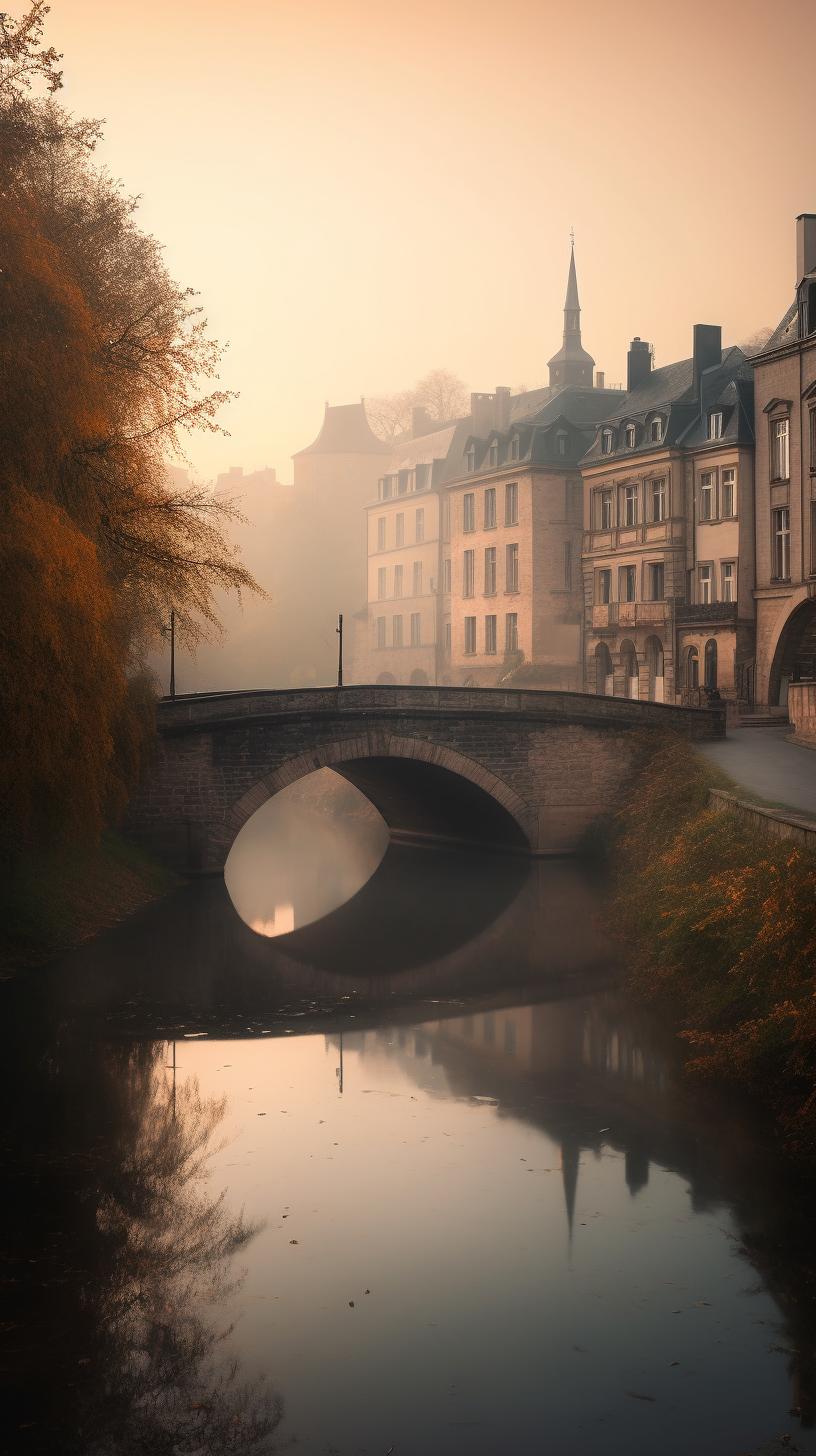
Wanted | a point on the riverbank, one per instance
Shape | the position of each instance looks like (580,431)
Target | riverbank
(50,903)
(719,926)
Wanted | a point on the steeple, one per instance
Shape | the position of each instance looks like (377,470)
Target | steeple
(571,365)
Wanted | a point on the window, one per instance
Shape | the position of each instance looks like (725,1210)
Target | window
(400,529)
(630,437)
(704,593)
(490,634)
(605,585)
(715,425)
(692,669)
(780,449)
(656,581)
(628,582)
(417,591)
(321,467)
(416,629)
(511,632)
(511,504)
(567,566)
(446,513)
(511,578)
(630,505)
(469,512)
(396,631)
(490,571)
(781,543)
(381,589)
(446,574)
(606,510)
(397,581)
(380,631)
(447,639)
(711,664)
(420,526)
(606,442)
(514,448)
(381,533)
(656,432)
(706,497)
(510,1038)
(470,634)
(471,459)
(468,571)
(490,508)
(729,581)
(813,439)
(727,493)
(349,467)
(494,454)
(659,500)
(561,442)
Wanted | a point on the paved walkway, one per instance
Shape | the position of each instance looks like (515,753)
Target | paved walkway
(762,761)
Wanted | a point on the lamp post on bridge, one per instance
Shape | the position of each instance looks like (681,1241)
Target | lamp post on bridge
(339,630)
(171,633)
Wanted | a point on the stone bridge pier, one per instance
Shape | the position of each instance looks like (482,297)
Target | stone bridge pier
(528,771)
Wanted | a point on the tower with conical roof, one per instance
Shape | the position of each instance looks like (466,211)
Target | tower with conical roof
(571,365)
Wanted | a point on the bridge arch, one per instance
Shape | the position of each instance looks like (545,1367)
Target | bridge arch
(423,790)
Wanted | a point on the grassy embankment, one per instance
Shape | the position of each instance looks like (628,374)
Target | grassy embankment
(50,902)
(719,925)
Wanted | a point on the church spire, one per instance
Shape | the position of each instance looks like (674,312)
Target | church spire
(571,365)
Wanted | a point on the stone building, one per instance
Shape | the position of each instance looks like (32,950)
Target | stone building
(668,529)
(785,381)
(515,496)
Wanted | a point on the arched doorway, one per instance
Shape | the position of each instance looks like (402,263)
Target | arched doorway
(710,678)
(795,656)
(655,660)
(692,670)
(629,666)
(418,678)
(386,678)
(604,679)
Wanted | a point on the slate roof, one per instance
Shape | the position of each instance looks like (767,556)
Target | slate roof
(345,431)
(786,332)
(572,411)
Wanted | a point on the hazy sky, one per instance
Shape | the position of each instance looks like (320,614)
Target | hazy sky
(362,191)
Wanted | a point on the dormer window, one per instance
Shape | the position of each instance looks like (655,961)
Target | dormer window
(630,437)
(715,425)
(561,442)
(606,442)
(494,454)
(656,431)
(514,448)
(471,459)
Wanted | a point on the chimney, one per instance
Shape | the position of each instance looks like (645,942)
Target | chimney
(707,351)
(421,422)
(805,245)
(501,411)
(481,413)
(638,363)
(599,379)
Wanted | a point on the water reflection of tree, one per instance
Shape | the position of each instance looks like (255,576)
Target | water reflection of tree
(119,1330)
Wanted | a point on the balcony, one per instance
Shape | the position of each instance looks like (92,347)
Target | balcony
(709,614)
(631,614)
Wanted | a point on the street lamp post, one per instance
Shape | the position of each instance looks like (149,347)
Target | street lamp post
(172,654)
(339,630)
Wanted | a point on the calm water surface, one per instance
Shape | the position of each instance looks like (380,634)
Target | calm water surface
(415,1175)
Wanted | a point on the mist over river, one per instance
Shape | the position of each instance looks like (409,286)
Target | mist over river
(401,1167)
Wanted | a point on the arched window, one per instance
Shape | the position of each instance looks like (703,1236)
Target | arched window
(711,664)
(604,680)
(630,437)
(692,670)
(514,448)
(654,658)
(471,459)
(629,664)
(418,678)
(606,442)
(656,431)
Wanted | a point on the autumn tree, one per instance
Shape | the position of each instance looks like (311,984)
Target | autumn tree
(102,364)
(443,394)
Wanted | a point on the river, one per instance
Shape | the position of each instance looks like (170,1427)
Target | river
(399,1168)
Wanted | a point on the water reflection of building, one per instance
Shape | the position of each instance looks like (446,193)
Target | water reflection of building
(524,1057)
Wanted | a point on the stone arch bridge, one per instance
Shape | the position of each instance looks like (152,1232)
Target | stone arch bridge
(527,770)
